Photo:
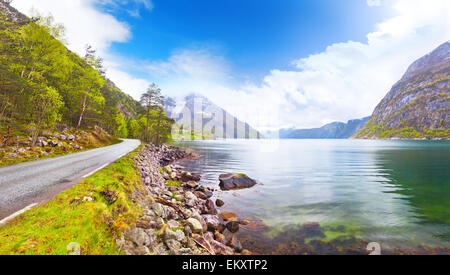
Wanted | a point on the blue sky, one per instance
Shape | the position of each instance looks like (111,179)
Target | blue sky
(283,63)
(254,35)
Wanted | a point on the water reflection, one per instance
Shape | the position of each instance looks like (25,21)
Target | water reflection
(393,192)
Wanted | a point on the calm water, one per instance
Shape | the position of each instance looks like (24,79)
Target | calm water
(396,193)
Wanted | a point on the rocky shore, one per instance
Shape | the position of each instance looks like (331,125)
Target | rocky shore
(178,215)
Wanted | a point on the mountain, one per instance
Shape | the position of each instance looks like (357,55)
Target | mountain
(205,118)
(334,130)
(417,106)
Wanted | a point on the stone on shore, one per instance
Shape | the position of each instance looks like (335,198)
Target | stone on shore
(138,236)
(212,222)
(195,225)
(235,181)
(186,177)
(179,218)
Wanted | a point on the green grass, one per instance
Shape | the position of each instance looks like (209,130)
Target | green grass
(49,228)
(176,183)
(405,132)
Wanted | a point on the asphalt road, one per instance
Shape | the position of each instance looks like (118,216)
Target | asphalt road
(26,184)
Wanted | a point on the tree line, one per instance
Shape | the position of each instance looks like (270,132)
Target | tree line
(43,84)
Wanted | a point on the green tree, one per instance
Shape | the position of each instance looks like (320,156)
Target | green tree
(121,126)
(45,113)
(133,128)
(149,100)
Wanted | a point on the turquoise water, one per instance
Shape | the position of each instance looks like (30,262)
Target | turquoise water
(393,192)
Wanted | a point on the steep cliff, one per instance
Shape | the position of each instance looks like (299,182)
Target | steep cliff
(418,105)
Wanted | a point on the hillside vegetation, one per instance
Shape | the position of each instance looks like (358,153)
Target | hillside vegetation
(417,107)
(43,84)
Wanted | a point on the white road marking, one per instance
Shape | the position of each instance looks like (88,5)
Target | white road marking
(7,219)
(100,168)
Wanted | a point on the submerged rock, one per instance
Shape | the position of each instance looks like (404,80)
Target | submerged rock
(233,226)
(312,229)
(235,181)
(235,243)
(228,216)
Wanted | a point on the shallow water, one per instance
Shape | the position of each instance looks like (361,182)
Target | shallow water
(393,192)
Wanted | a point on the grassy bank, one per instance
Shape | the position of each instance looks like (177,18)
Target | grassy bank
(91,214)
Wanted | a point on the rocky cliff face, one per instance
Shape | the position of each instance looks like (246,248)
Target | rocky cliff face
(335,130)
(417,106)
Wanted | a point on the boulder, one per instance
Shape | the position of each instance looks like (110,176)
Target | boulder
(173,224)
(53,143)
(235,181)
(138,236)
(186,176)
(191,184)
(212,222)
(219,203)
(158,209)
(201,195)
(220,248)
(219,237)
(141,250)
(146,224)
(228,216)
(233,226)
(174,246)
(209,208)
(195,225)
(221,228)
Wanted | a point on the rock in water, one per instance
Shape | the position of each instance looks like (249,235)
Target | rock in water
(233,226)
(235,181)
(228,216)
(219,203)
(235,243)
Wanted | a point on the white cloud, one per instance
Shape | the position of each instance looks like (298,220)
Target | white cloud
(345,81)
(84,23)
(198,64)
(132,7)
(373,3)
